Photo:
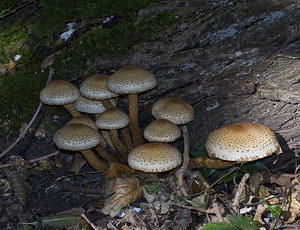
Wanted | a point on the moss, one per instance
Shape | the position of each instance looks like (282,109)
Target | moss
(19,94)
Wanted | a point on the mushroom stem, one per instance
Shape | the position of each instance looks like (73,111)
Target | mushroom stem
(107,104)
(118,144)
(72,110)
(106,156)
(93,160)
(125,131)
(127,137)
(133,120)
(107,138)
(186,158)
(207,162)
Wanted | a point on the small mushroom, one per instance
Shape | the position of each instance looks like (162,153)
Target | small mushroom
(79,137)
(154,157)
(162,130)
(180,113)
(99,148)
(60,92)
(96,107)
(95,88)
(132,80)
(113,120)
(242,142)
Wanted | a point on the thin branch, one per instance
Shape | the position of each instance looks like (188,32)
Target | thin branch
(33,160)
(239,192)
(22,133)
(208,211)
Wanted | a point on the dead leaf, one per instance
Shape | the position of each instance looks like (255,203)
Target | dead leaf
(77,163)
(10,67)
(20,188)
(115,169)
(126,191)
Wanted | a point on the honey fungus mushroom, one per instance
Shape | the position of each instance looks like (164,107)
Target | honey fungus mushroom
(242,142)
(132,80)
(60,92)
(162,130)
(79,137)
(154,157)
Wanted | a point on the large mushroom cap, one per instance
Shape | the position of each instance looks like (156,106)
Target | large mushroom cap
(241,142)
(76,137)
(112,119)
(154,157)
(173,109)
(59,92)
(94,87)
(162,131)
(131,79)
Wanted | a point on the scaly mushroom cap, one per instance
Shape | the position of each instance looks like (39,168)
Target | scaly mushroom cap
(130,80)
(112,119)
(173,109)
(94,87)
(76,137)
(154,157)
(241,142)
(59,92)
(86,105)
(84,121)
(162,131)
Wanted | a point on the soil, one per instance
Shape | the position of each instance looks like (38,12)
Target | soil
(232,61)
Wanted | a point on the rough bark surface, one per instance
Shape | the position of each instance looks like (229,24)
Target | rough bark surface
(232,60)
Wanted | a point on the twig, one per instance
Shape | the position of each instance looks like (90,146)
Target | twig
(217,210)
(186,159)
(208,211)
(239,192)
(22,133)
(16,9)
(89,222)
(33,160)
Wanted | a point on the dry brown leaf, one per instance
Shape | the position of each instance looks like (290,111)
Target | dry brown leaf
(10,66)
(259,211)
(115,169)
(126,191)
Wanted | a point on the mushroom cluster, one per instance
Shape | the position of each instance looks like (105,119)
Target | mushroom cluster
(112,127)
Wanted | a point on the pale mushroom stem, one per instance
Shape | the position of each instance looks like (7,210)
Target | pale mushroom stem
(106,136)
(93,160)
(186,158)
(133,120)
(127,137)
(207,162)
(105,155)
(118,144)
(125,131)
(72,110)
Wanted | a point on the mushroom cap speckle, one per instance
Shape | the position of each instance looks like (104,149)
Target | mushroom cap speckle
(86,105)
(162,131)
(112,119)
(84,121)
(130,80)
(76,137)
(94,87)
(154,157)
(59,92)
(241,142)
(173,109)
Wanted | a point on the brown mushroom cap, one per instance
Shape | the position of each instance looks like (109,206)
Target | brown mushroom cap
(241,142)
(112,119)
(83,120)
(130,80)
(162,131)
(76,137)
(94,87)
(86,105)
(59,92)
(173,109)
(154,157)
